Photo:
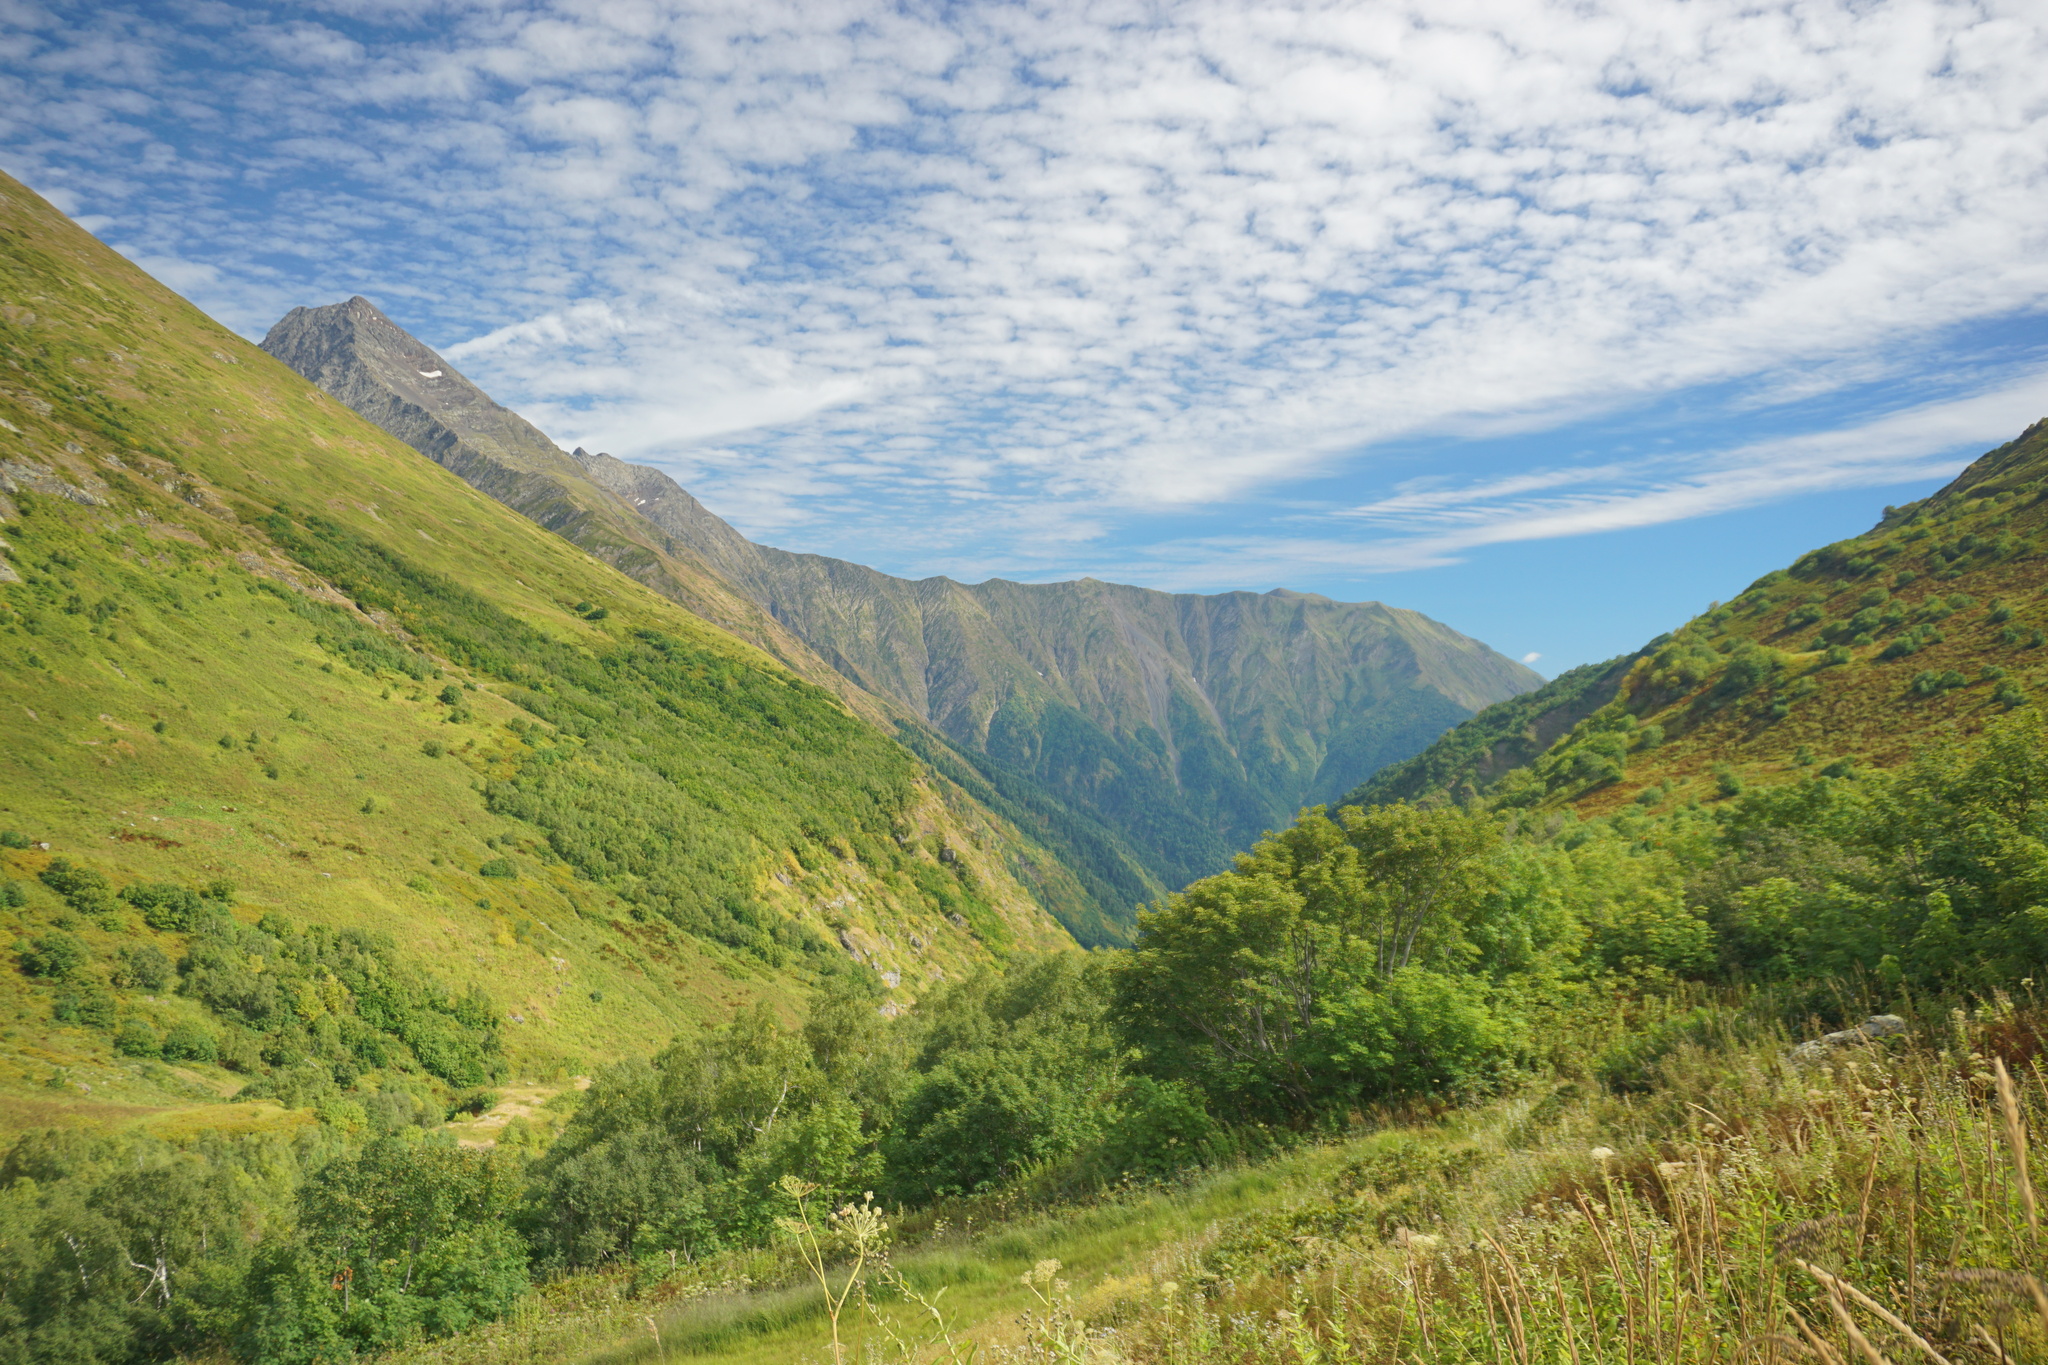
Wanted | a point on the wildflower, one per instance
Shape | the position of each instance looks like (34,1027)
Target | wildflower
(1602,1154)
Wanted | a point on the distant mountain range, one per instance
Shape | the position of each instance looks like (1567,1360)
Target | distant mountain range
(1865,652)
(1143,736)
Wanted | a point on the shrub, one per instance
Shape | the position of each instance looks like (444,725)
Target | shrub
(1726,780)
(473,1102)
(1162,1127)
(90,1006)
(12,897)
(164,905)
(497,867)
(83,889)
(13,839)
(1837,656)
(54,955)
(433,748)
(1930,683)
(1633,1065)
(135,1038)
(451,695)
(143,967)
(191,1042)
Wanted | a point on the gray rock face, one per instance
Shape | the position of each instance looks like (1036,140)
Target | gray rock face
(1828,1044)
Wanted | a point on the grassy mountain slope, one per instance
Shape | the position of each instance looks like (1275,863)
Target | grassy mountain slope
(247,637)
(1915,633)
(1187,724)
(364,359)
(1143,736)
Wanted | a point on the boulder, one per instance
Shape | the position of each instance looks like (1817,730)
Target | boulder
(1827,1045)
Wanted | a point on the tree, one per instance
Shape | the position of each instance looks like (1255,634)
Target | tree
(1236,983)
(407,1238)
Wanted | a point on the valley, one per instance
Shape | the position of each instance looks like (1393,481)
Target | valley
(467,903)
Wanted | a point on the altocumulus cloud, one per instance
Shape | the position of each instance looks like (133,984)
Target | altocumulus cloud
(840,264)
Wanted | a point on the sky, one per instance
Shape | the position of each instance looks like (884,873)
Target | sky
(1557,322)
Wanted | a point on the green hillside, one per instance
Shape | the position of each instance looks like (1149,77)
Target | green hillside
(1142,736)
(428,943)
(1916,633)
(361,357)
(263,665)
(1179,725)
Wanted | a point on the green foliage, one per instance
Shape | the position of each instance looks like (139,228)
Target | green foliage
(55,954)
(135,1038)
(338,999)
(84,890)
(86,1004)
(142,966)
(1282,987)
(1012,1073)
(406,1239)
(683,1153)
(163,905)
(1930,683)
(191,1042)
(497,867)
(1747,669)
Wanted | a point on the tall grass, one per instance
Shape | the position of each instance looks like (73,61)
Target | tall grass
(1878,1208)
(1721,1204)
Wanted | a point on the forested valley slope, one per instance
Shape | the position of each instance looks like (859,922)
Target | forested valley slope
(1143,735)
(265,664)
(429,943)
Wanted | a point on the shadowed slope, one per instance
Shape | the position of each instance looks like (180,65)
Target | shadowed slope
(1189,723)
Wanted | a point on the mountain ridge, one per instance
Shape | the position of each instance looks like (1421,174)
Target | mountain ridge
(1168,730)
(264,665)
(1917,632)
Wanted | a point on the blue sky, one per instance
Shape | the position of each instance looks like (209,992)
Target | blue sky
(1554,321)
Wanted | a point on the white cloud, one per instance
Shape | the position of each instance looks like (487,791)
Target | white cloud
(839,263)
(1531,657)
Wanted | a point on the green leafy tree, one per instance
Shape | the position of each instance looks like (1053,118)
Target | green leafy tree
(408,1238)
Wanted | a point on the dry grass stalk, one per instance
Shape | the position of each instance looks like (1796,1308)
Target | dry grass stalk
(1991,1344)
(2016,1139)
(1855,1334)
(1833,1282)
(1820,1348)
(1779,1344)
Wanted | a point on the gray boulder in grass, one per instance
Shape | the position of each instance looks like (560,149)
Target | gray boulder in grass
(1825,1046)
